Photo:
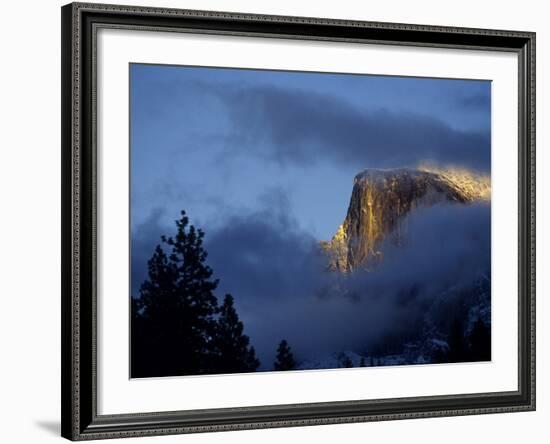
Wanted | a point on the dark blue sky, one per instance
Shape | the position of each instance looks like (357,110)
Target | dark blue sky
(264,161)
(217,142)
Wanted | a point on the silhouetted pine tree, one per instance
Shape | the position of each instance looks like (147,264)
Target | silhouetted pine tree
(232,350)
(362,362)
(285,358)
(137,340)
(177,308)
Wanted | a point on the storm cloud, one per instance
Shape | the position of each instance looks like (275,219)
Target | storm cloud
(278,276)
(282,288)
(305,128)
(264,161)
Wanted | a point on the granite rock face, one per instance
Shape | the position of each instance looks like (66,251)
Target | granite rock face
(380,202)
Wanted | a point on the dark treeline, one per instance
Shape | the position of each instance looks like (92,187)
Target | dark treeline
(472,347)
(178,327)
(285,358)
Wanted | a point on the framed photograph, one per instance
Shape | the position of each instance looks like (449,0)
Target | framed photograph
(281,221)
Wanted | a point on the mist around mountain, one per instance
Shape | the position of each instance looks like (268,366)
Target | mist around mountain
(380,202)
(403,224)
(405,280)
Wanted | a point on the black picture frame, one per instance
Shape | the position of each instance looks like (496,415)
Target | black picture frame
(79,169)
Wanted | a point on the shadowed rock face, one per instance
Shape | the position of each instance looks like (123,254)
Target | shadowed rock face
(381,199)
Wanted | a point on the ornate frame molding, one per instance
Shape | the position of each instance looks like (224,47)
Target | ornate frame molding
(80,22)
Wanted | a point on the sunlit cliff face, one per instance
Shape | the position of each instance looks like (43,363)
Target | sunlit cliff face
(380,201)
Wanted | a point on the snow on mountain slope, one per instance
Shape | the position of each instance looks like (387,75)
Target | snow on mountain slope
(381,200)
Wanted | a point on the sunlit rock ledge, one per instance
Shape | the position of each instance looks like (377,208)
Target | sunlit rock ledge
(380,200)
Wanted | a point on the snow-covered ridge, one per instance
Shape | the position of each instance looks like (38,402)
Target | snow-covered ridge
(470,185)
(475,185)
(382,198)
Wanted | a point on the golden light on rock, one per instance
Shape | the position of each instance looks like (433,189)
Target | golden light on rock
(381,200)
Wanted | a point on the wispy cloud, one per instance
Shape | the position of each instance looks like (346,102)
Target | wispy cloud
(304,128)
